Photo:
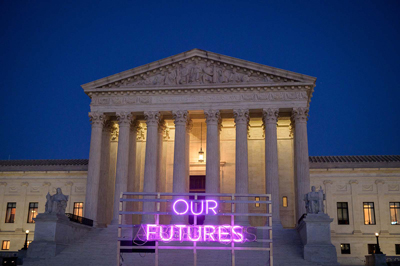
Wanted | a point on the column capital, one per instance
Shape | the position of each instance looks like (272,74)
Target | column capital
(379,181)
(270,115)
(152,118)
(180,117)
(212,116)
(299,114)
(97,119)
(241,116)
(326,182)
(124,118)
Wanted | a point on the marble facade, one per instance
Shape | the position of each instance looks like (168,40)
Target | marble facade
(147,124)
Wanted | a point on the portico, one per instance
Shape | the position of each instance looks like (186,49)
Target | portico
(255,123)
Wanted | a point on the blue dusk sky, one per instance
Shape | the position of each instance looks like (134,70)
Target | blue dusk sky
(49,48)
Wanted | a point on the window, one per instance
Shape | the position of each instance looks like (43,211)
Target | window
(78,209)
(371,248)
(394,212)
(369,213)
(10,214)
(33,211)
(257,204)
(284,201)
(345,248)
(397,248)
(342,213)
(5,245)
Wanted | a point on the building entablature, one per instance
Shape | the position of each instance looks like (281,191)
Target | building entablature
(196,77)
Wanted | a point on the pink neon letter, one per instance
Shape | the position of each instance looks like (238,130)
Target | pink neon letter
(192,209)
(198,232)
(180,230)
(211,234)
(240,235)
(211,208)
(180,213)
(148,230)
(221,233)
(171,233)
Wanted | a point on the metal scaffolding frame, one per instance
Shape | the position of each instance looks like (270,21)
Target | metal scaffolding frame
(234,199)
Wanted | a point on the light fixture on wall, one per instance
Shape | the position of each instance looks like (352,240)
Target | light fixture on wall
(201,152)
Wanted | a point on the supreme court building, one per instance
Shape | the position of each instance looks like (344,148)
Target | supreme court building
(204,122)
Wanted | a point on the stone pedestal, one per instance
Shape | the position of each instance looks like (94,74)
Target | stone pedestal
(53,232)
(315,234)
(376,260)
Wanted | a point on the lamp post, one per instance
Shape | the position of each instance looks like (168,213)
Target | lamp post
(26,240)
(378,248)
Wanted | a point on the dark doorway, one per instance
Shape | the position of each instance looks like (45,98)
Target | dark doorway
(197,185)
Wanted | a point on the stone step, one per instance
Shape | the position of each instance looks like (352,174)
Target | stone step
(99,247)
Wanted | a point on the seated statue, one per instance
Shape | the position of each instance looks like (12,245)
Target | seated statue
(315,201)
(56,203)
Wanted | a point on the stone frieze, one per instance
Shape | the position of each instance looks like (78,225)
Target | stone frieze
(211,98)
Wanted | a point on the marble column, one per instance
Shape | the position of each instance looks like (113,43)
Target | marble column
(302,169)
(160,187)
(121,178)
(150,163)
(241,164)
(114,132)
(270,118)
(93,178)
(179,171)
(213,120)
(104,175)
(133,180)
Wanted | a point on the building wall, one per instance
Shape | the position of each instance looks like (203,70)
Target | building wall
(32,186)
(355,186)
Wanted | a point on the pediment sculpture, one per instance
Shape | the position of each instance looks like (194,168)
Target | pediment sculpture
(56,203)
(198,72)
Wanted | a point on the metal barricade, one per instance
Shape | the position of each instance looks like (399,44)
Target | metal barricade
(165,198)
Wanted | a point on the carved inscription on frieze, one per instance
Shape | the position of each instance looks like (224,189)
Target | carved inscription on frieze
(191,98)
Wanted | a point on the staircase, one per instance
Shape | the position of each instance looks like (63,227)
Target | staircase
(287,248)
(99,248)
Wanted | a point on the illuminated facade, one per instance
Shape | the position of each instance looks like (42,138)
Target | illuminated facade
(151,124)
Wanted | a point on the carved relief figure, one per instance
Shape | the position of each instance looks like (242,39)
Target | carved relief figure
(197,72)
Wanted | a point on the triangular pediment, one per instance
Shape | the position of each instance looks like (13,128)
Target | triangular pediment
(199,68)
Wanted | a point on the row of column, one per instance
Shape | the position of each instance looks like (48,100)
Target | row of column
(126,158)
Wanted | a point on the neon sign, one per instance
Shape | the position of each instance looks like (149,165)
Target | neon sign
(196,233)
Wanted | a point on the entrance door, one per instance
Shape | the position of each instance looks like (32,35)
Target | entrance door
(197,185)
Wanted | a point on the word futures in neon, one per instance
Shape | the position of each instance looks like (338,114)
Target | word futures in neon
(214,233)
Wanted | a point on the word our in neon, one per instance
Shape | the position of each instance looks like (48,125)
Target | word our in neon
(199,233)
(209,208)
